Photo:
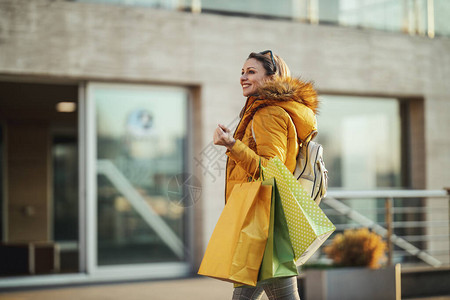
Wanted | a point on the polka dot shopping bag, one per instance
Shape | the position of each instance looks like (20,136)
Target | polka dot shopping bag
(308,225)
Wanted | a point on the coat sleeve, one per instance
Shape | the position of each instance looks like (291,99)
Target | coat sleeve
(270,133)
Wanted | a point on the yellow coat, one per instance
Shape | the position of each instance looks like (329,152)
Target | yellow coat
(282,114)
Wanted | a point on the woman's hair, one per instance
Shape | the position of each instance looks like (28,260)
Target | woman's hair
(265,58)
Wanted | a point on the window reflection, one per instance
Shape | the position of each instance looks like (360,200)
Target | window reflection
(441,20)
(145,3)
(65,204)
(280,8)
(361,138)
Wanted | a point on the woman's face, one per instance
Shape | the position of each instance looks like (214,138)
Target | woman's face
(252,76)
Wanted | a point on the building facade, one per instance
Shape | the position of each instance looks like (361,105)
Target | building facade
(107,113)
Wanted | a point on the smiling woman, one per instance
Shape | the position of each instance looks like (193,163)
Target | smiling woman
(279,112)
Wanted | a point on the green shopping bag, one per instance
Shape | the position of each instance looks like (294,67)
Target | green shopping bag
(278,260)
(308,225)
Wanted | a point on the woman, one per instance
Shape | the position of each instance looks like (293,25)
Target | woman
(278,114)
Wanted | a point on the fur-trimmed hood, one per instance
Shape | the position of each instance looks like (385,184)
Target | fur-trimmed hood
(290,89)
(298,98)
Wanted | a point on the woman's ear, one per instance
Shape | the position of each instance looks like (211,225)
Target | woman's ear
(270,77)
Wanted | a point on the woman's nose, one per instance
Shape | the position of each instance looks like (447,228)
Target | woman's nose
(243,77)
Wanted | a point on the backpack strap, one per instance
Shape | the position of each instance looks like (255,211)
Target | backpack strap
(309,138)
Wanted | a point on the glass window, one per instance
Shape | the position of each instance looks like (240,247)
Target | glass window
(409,16)
(169,4)
(65,195)
(141,148)
(441,17)
(378,14)
(361,138)
(280,8)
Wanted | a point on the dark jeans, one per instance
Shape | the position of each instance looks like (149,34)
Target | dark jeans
(276,289)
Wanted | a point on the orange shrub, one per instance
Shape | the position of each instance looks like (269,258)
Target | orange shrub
(357,247)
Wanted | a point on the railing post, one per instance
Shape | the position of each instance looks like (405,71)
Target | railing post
(388,219)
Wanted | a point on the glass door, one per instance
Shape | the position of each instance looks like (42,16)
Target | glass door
(138,137)
(39,195)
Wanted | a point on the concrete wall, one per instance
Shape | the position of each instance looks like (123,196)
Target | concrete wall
(84,41)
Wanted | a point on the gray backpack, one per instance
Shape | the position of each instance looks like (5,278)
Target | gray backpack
(310,170)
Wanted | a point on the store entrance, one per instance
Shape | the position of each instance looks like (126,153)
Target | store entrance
(39,179)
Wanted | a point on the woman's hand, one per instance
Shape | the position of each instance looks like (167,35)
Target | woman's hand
(223,137)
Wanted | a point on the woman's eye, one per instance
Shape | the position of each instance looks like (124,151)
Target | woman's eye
(251,72)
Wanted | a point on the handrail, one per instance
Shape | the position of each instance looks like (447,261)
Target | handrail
(388,194)
(332,201)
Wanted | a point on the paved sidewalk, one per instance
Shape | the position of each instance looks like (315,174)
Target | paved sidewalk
(186,289)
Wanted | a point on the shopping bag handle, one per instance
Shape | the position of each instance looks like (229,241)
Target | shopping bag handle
(261,171)
(261,168)
(256,170)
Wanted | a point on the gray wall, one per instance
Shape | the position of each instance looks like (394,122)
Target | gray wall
(57,40)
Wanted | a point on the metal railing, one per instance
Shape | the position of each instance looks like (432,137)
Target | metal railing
(414,223)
